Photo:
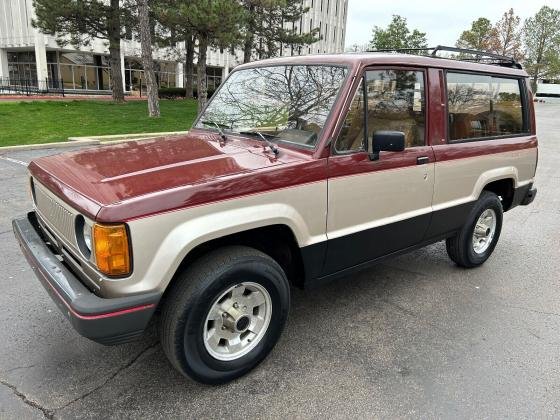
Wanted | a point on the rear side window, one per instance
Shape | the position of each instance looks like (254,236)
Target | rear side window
(482,106)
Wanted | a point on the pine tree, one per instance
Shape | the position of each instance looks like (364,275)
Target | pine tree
(397,36)
(214,24)
(175,30)
(479,36)
(77,22)
(271,25)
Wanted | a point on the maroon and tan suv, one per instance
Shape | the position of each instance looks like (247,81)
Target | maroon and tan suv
(299,170)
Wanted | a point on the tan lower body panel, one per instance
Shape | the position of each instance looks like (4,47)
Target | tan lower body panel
(462,180)
(160,242)
(377,198)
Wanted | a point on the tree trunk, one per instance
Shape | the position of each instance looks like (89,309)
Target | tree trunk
(114,32)
(249,36)
(535,81)
(201,71)
(189,66)
(537,68)
(247,47)
(147,58)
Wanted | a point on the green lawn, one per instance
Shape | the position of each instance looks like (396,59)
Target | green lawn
(50,121)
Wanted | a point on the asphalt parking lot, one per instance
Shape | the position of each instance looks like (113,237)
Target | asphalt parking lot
(415,337)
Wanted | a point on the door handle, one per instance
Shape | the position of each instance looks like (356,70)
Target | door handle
(422,160)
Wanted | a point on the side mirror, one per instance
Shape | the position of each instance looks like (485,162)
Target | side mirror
(386,141)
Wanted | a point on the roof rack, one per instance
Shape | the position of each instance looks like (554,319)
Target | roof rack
(482,57)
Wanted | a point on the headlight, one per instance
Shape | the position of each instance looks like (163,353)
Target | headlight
(32,190)
(83,236)
(111,248)
(87,236)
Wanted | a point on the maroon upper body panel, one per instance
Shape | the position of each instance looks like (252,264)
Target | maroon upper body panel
(115,179)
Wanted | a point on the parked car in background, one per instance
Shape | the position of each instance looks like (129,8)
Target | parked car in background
(300,170)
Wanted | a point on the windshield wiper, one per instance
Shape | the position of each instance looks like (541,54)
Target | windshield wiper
(215,124)
(267,141)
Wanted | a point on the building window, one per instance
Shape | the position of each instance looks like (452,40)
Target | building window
(213,77)
(135,81)
(22,67)
(80,71)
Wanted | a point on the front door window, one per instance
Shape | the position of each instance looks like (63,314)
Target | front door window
(394,100)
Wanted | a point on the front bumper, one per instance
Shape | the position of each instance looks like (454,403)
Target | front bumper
(106,321)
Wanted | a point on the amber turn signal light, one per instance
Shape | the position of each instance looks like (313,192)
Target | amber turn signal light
(111,249)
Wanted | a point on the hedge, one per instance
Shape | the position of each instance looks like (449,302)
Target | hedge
(177,92)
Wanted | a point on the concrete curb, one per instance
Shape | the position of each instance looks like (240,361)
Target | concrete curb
(90,141)
(57,145)
(135,136)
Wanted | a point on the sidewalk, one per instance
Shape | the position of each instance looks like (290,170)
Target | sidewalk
(70,97)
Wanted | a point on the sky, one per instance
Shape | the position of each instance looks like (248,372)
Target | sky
(443,21)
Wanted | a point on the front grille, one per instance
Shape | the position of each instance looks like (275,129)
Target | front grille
(55,215)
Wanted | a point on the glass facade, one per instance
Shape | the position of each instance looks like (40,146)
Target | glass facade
(80,71)
(134,75)
(90,72)
(213,77)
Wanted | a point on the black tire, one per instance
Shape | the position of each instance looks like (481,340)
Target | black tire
(191,296)
(460,247)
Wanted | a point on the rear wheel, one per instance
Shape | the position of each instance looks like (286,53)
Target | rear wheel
(224,314)
(476,241)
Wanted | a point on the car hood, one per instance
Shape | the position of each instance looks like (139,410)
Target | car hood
(92,178)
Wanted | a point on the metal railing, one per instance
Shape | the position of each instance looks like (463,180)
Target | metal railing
(31,87)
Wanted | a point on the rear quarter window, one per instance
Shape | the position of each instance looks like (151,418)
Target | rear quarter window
(484,106)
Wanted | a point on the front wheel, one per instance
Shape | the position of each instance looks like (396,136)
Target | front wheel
(224,314)
(476,241)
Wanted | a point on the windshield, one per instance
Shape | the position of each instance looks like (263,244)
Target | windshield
(285,103)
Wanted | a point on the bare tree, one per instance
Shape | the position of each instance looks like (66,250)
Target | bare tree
(506,36)
(147,59)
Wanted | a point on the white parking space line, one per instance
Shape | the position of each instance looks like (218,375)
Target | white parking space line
(9,159)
